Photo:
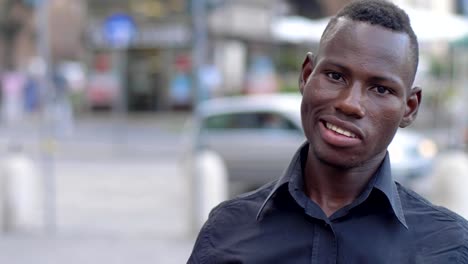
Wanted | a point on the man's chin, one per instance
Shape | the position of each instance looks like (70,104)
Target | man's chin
(339,163)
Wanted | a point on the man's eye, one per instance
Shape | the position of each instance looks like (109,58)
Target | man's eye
(335,76)
(381,90)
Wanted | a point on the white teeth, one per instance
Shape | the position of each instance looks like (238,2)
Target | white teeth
(340,130)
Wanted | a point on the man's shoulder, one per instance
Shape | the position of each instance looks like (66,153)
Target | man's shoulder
(229,224)
(244,205)
(433,227)
(421,211)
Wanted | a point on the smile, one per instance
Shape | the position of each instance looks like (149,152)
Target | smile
(339,130)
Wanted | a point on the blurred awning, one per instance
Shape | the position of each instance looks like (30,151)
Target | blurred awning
(429,26)
(297,29)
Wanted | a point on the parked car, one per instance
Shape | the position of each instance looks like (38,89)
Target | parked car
(255,137)
(102,91)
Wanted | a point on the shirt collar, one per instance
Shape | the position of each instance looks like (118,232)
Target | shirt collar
(383,182)
(294,168)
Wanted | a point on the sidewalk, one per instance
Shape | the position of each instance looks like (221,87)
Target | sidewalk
(92,250)
(111,212)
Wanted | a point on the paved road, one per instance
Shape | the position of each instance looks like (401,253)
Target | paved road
(102,136)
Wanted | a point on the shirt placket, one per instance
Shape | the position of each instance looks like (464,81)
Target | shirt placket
(324,245)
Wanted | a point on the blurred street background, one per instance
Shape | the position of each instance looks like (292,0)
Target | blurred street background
(97,104)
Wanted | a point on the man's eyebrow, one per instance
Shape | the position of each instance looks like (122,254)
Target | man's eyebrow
(332,63)
(387,79)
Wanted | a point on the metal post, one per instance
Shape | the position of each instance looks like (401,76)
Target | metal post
(47,134)
(463,124)
(458,126)
(120,107)
(199,45)
(199,38)
(119,32)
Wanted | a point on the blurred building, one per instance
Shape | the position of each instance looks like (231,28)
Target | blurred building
(241,39)
(155,70)
(16,34)
(138,74)
(67,27)
(21,61)
(316,9)
(434,5)
(19,31)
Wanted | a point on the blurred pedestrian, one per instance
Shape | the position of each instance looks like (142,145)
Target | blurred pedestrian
(12,84)
(337,201)
(62,106)
(31,94)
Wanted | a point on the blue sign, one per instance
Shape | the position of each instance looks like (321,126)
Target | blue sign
(119,30)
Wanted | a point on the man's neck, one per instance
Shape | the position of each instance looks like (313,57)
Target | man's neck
(333,188)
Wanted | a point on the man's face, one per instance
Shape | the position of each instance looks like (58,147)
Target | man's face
(356,93)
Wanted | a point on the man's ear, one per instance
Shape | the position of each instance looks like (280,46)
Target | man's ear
(412,107)
(306,70)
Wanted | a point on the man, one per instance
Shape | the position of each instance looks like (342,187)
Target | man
(337,201)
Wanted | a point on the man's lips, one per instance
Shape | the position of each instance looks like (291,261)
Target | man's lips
(339,133)
(340,130)
(342,127)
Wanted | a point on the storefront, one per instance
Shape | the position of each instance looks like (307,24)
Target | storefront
(137,76)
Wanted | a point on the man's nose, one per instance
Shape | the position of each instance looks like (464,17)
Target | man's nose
(350,101)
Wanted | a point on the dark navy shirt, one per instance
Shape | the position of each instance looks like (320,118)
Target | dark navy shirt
(278,223)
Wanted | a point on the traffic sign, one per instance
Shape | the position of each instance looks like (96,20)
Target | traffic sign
(119,30)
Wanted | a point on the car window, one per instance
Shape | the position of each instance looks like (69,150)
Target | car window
(248,120)
(217,122)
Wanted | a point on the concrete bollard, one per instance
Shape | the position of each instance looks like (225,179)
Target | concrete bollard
(22,193)
(209,185)
(449,182)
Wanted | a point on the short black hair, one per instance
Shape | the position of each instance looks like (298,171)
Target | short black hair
(381,13)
